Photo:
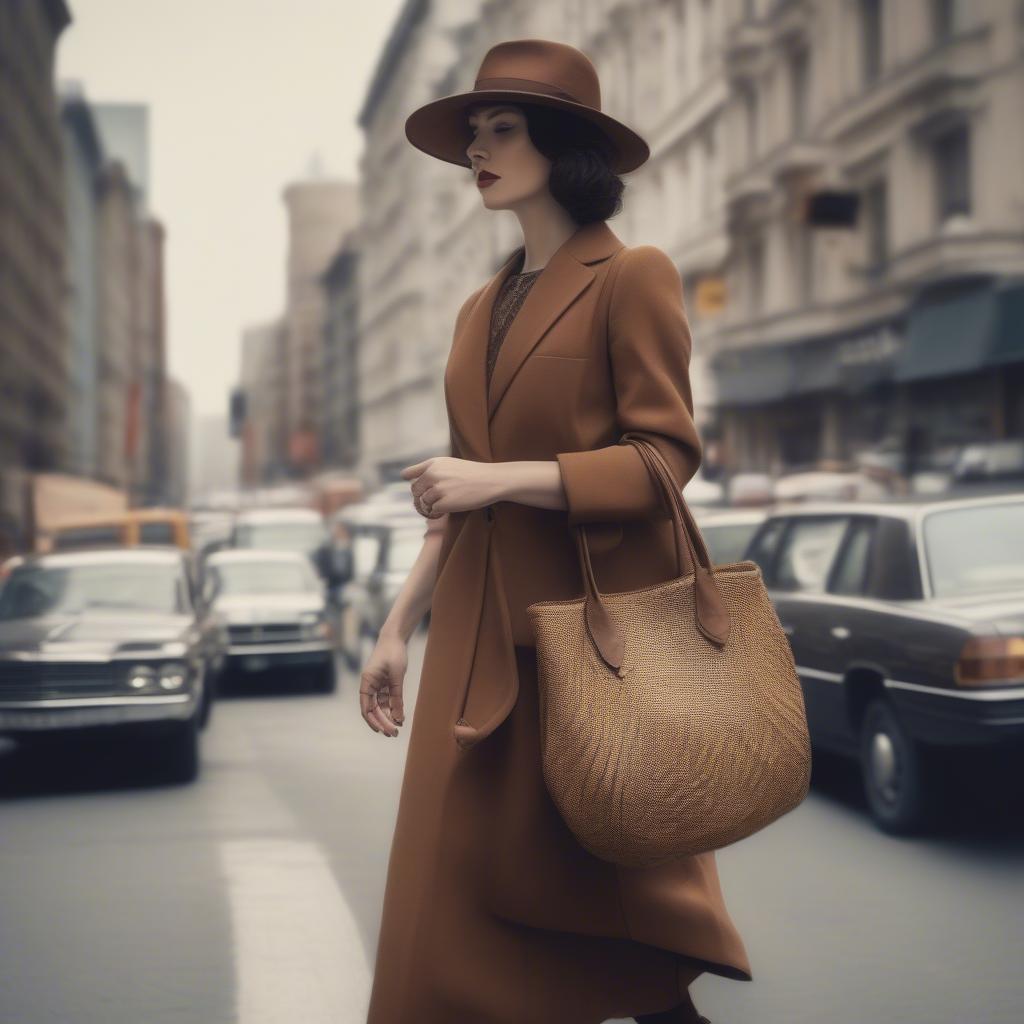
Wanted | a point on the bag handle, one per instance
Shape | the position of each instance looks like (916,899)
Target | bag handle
(711,614)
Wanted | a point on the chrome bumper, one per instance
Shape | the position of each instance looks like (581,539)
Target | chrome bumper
(293,647)
(83,712)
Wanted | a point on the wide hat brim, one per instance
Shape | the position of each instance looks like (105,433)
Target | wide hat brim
(440,128)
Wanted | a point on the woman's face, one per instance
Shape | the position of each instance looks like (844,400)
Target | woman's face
(502,145)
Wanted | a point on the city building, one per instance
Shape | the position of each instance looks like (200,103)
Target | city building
(875,267)
(83,159)
(341,424)
(320,211)
(35,375)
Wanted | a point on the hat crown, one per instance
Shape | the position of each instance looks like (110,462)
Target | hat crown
(561,68)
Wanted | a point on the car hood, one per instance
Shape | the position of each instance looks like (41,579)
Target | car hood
(1004,611)
(92,634)
(267,607)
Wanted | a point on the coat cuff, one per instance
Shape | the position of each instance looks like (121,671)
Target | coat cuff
(609,484)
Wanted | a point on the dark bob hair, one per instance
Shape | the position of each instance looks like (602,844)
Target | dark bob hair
(581,179)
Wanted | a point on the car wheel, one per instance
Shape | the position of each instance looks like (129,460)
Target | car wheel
(179,752)
(325,679)
(894,771)
(209,694)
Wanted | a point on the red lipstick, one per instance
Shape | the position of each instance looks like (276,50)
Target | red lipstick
(486,178)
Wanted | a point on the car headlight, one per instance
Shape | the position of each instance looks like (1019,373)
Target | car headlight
(314,625)
(168,675)
(141,677)
(173,675)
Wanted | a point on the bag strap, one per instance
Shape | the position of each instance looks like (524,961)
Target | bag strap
(711,614)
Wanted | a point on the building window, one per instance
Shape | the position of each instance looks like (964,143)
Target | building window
(870,40)
(875,206)
(750,117)
(805,263)
(755,275)
(951,156)
(799,68)
(707,37)
(948,18)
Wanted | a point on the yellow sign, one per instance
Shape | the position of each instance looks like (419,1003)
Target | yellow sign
(709,296)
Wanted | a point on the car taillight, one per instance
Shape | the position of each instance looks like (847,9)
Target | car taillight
(991,660)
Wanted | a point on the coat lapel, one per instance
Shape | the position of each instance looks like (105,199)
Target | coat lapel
(471,405)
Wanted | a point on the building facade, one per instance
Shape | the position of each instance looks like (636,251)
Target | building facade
(83,159)
(35,377)
(876,258)
(320,211)
(341,433)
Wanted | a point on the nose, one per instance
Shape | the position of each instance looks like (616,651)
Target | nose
(476,148)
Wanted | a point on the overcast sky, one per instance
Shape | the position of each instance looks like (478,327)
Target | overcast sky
(243,96)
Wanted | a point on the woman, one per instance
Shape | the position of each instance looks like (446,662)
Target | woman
(492,911)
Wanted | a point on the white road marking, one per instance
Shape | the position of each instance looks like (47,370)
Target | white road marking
(298,953)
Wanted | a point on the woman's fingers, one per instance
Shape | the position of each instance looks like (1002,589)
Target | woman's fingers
(374,701)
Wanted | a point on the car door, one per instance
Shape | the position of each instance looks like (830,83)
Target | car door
(800,571)
(848,623)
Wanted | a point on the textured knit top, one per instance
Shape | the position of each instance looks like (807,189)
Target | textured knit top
(512,295)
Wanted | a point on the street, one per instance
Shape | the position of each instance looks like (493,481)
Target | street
(254,894)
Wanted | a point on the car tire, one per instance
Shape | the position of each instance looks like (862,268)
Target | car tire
(325,678)
(894,770)
(209,695)
(179,752)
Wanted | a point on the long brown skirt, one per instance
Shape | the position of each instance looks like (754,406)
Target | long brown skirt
(494,914)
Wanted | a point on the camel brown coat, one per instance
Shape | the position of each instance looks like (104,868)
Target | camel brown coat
(493,914)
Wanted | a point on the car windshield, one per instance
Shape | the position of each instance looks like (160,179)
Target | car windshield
(975,550)
(264,578)
(304,537)
(37,590)
(727,542)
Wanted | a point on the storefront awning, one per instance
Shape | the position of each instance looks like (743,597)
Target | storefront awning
(769,373)
(962,330)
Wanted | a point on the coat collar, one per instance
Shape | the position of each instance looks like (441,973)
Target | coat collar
(471,405)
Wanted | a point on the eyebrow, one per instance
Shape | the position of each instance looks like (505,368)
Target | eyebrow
(495,113)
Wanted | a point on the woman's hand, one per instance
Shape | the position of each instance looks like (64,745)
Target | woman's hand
(381,683)
(444,484)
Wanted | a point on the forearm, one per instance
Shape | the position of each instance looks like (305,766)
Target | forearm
(537,483)
(414,599)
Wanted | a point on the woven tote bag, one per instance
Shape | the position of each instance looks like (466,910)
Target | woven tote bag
(672,720)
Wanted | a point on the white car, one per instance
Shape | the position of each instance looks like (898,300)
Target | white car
(276,611)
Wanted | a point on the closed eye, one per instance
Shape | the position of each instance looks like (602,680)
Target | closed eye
(501,127)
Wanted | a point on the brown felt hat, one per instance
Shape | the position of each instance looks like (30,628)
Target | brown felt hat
(526,71)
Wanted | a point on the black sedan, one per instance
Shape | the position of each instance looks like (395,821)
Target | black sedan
(906,620)
(113,642)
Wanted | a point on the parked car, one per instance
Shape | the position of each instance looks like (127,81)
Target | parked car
(383,553)
(113,641)
(287,529)
(906,619)
(727,531)
(276,612)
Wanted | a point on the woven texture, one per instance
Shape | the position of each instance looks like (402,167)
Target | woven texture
(690,746)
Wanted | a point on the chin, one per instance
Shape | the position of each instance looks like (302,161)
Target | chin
(491,202)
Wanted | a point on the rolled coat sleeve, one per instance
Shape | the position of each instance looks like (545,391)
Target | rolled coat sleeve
(649,346)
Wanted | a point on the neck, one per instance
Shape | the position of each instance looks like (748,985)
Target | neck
(546,227)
